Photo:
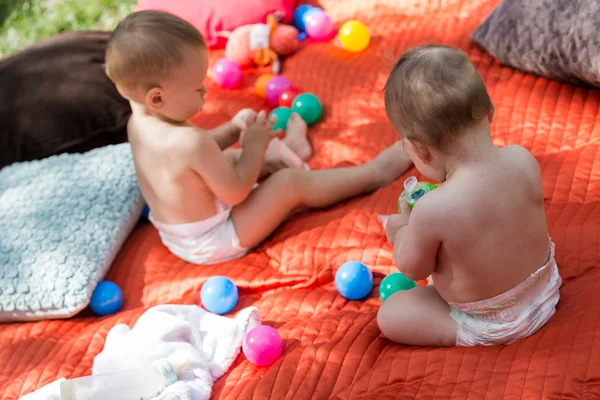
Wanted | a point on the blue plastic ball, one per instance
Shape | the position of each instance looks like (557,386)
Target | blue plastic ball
(106,299)
(219,295)
(299,16)
(145,212)
(354,280)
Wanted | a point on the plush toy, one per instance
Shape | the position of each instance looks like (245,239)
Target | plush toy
(262,44)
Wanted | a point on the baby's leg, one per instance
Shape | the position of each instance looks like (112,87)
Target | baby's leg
(277,197)
(418,317)
(278,156)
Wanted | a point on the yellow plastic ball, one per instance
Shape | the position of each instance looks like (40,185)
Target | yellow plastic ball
(261,84)
(354,36)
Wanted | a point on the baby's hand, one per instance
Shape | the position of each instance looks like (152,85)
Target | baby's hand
(260,132)
(244,118)
(397,221)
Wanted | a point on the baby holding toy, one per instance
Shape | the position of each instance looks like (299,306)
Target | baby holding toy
(482,233)
(203,197)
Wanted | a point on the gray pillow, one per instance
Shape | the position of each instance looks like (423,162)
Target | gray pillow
(62,221)
(557,39)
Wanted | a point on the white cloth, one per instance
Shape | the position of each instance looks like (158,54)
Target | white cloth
(203,344)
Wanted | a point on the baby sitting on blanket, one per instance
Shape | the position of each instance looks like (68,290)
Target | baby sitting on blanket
(203,196)
(482,234)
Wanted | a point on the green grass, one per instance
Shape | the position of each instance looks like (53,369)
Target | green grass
(25,21)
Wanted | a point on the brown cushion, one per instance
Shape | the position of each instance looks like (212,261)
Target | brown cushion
(557,39)
(55,98)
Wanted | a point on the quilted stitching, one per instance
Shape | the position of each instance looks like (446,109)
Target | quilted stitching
(332,346)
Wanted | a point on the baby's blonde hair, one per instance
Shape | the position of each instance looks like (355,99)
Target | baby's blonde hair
(145,45)
(435,92)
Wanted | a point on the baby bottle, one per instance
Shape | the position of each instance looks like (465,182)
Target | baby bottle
(142,383)
(414,190)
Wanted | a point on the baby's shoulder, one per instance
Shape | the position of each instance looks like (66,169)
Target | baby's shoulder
(187,137)
(518,156)
(519,163)
(434,205)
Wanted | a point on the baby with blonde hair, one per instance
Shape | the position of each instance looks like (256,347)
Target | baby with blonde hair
(482,233)
(203,197)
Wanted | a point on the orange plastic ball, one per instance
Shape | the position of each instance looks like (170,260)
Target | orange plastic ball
(261,84)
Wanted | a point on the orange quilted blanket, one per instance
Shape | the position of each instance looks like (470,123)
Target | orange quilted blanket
(333,348)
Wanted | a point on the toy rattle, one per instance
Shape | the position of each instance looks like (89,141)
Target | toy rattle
(414,190)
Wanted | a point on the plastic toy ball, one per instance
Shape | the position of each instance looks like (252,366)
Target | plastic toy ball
(219,295)
(227,74)
(275,86)
(299,16)
(106,299)
(262,346)
(145,213)
(393,283)
(354,280)
(286,97)
(261,84)
(308,106)
(354,36)
(318,24)
(283,114)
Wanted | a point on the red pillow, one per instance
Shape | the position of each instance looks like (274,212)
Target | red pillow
(214,17)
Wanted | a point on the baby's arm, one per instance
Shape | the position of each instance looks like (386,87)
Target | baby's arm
(416,244)
(228,134)
(232,183)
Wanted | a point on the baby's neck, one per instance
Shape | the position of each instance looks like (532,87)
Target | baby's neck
(469,149)
(142,110)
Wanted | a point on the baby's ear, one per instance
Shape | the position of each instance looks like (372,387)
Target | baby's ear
(154,98)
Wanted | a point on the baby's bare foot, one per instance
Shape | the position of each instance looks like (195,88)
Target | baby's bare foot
(279,156)
(390,164)
(295,137)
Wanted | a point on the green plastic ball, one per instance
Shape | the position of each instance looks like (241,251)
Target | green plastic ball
(393,283)
(283,114)
(308,106)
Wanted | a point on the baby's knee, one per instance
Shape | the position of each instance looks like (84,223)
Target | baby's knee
(387,320)
(291,179)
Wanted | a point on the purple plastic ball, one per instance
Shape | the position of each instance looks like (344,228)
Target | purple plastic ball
(227,73)
(318,24)
(275,86)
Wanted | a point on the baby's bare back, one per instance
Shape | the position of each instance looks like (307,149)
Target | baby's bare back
(495,232)
(174,192)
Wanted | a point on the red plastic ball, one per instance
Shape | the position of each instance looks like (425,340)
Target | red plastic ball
(286,98)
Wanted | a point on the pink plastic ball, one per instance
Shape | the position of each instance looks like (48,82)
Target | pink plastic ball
(227,73)
(262,346)
(318,25)
(275,86)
